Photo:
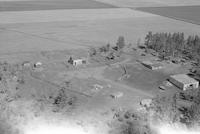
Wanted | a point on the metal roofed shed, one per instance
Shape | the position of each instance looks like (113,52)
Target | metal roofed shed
(184,82)
(152,66)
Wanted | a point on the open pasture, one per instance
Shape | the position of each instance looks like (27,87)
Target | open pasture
(184,13)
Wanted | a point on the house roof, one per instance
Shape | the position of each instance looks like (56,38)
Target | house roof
(183,78)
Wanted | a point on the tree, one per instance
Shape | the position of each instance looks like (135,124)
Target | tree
(120,42)
(107,47)
(138,42)
(70,60)
(148,39)
(165,109)
(92,52)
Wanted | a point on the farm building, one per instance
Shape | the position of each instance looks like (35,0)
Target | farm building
(116,95)
(77,61)
(152,66)
(26,64)
(184,82)
(37,65)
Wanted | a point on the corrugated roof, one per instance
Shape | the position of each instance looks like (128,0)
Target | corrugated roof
(183,78)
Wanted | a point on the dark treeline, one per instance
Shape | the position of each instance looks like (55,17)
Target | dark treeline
(174,45)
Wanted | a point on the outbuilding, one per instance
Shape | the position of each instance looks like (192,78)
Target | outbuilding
(152,66)
(184,82)
(37,65)
(76,62)
(116,95)
(79,62)
(26,64)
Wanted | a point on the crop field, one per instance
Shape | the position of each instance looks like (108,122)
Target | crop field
(69,15)
(93,30)
(184,13)
(50,5)
(150,3)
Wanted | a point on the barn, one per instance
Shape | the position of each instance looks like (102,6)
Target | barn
(184,82)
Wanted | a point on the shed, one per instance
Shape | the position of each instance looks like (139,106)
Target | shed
(38,64)
(26,64)
(184,82)
(117,95)
(79,62)
(152,66)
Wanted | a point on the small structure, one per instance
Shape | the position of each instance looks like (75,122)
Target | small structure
(152,66)
(26,64)
(77,61)
(116,95)
(97,86)
(184,82)
(162,87)
(37,65)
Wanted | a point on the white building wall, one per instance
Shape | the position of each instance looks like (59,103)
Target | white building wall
(194,85)
(77,62)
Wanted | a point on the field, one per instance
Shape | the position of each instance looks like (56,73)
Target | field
(50,5)
(150,3)
(183,13)
(82,30)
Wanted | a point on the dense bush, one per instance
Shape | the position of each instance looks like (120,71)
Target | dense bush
(174,44)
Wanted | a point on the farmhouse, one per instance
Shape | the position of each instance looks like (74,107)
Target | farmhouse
(152,66)
(184,82)
(77,62)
